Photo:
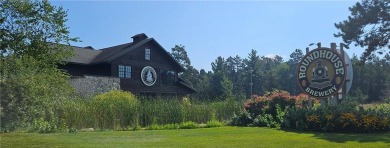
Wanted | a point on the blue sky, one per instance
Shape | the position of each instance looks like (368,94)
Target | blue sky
(209,29)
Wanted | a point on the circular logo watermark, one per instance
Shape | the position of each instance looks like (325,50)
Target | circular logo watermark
(321,72)
(148,76)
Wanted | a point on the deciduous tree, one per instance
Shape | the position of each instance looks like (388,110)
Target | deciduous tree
(31,85)
(179,53)
(28,26)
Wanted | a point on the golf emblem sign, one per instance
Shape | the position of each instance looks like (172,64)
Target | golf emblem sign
(321,72)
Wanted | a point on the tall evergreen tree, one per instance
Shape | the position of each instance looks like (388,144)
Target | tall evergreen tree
(270,77)
(295,58)
(235,69)
(283,77)
(220,72)
(254,70)
(205,91)
(368,26)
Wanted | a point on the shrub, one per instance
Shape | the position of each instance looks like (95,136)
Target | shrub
(116,108)
(184,125)
(242,119)
(188,125)
(383,108)
(268,110)
(338,119)
(155,127)
(295,118)
(263,120)
(281,99)
(213,123)
(72,130)
(43,126)
(280,114)
(136,128)
(30,90)
(171,126)
(302,100)
(268,120)
(267,104)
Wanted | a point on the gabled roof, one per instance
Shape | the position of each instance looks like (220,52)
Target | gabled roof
(185,84)
(112,53)
(87,55)
(83,55)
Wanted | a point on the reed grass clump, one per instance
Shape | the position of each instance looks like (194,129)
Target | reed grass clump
(115,109)
(119,110)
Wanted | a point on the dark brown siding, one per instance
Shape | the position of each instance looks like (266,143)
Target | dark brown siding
(80,70)
(159,61)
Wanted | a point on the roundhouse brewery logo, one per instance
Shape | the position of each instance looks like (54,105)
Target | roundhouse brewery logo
(321,73)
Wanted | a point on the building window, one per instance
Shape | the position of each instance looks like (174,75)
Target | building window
(124,71)
(168,77)
(147,54)
(127,72)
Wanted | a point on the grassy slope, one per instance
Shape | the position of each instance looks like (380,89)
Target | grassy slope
(212,137)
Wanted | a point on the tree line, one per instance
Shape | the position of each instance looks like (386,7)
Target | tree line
(240,78)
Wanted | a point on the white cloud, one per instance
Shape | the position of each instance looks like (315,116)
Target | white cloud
(272,56)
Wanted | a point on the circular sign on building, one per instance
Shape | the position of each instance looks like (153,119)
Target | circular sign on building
(321,72)
(148,76)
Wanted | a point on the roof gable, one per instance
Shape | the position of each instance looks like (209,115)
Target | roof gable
(116,53)
(128,49)
(107,55)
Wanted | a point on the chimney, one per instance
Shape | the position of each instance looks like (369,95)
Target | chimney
(139,37)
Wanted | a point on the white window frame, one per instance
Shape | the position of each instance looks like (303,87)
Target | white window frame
(148,54)
(124,71)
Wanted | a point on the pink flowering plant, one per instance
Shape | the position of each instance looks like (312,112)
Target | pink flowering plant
(269,109)
(266,104)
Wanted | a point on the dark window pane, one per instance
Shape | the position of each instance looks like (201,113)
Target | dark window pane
(168,77)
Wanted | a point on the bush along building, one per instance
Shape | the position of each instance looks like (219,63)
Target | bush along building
(142,67)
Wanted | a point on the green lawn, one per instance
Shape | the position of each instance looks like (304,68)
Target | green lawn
(205,137)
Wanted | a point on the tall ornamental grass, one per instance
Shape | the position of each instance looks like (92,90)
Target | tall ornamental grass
(120,110)
(159,111)
(115,109)
(173,110)
(78,113)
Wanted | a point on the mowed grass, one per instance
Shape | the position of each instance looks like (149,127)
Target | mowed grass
(205,137)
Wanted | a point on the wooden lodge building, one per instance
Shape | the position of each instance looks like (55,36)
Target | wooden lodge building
(142,67)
